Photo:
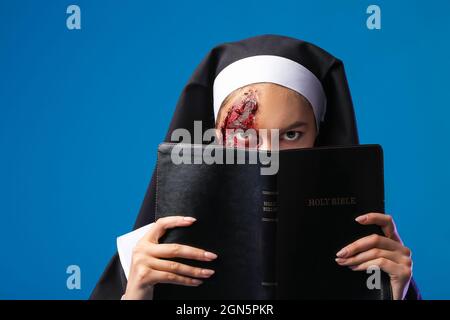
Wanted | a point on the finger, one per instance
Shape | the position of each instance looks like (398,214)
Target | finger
(168,277)
(385,221)
(180,268)
(369,242)
(373,254)
(400,273)
(162,224)
(388,266)
(175,250)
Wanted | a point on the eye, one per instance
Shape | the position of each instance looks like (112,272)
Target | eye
(241,135)
(248,138)
(291,135)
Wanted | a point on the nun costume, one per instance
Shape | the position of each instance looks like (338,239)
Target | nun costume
(295,64)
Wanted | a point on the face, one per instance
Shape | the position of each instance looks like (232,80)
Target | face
(267,106)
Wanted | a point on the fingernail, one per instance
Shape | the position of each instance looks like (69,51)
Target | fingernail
(361,219)
(342,253)
(190,219)
(197,282)
(208,272)
(353,267)
(339,260)
(210,255)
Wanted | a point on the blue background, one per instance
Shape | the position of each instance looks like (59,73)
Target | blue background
(82,112)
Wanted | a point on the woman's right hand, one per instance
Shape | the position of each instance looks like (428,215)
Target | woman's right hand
(149,263)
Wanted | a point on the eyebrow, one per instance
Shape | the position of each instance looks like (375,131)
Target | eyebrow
(296,124)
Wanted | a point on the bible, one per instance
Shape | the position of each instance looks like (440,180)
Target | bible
(276,235)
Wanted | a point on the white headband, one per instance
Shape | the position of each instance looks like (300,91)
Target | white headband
(274,69)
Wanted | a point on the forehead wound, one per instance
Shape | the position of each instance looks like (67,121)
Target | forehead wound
(241,115)
(242,112)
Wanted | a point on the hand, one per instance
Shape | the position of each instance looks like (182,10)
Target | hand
(387,252)
(149,265)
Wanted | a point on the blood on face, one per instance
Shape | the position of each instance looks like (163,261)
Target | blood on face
(239,119)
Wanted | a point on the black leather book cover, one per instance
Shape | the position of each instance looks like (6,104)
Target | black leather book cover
(276,235)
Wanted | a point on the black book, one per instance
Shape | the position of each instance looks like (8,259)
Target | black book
(276,235)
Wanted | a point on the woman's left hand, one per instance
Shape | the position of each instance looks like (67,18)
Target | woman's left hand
(387,252)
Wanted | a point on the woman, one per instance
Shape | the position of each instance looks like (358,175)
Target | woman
(264,82)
